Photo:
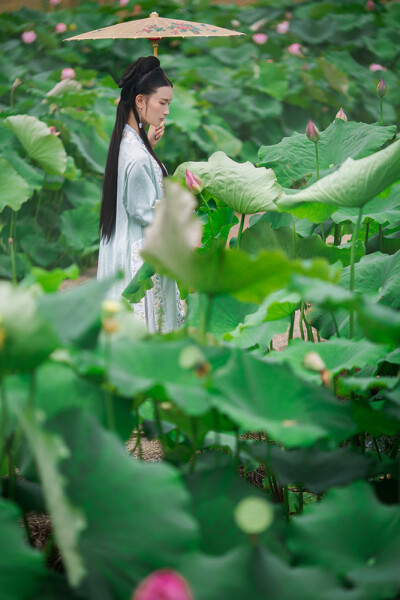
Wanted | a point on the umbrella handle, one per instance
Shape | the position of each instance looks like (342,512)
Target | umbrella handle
(154,43)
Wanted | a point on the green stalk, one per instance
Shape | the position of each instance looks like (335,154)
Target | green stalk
(13,267)
(209,215)
(4,421)
(377,449)
(381,107)
(286,502)
(337,239)
(318,336)
(290,336)
(301,499)
(294,237)
(380,238)
(352,261)
(240,229)
(301,320)
(323,233)
(335,323)
(366,235)
(205,315)
(109,400)
(158,422)
(193,427)
(317,159)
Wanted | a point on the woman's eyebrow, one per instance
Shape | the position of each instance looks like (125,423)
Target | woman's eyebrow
(166,99)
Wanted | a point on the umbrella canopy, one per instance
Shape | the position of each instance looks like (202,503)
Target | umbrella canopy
(154,28)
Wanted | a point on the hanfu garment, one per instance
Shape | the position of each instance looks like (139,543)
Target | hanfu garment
(139,188)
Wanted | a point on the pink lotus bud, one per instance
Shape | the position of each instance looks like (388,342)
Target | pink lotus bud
(283,27)
(376,67)
(260,38)
(28,37)
(312,132)
(10,241)
(60,28)
(137,9)
(123,2)
(235,23)
(53,130)
(341,115)
(382,88)
(55,2)
(370,5)
(193,182)
(67,73)
(288,15)
(295,49)
(163,585)
(270,60)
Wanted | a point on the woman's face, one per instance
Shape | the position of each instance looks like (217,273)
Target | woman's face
(157,106)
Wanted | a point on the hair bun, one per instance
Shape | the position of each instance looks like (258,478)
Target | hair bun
(140,67)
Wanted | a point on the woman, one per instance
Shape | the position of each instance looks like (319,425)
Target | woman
(133,184)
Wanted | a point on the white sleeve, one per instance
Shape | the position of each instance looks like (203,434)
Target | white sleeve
(140,192)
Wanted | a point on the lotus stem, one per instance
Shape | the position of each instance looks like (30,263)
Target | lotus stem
(352,261)
(294,237)
(193,427)
(286,502)
(158,423)
(366,235)
(337,239)
(301,320)
(323,232)
(317,159)
(318,336)
(13,267)
(381,108)
(109,400)
(290,335)
(209,215)
(4,421)
(380,238)
(335,324)
(377,449)
(205,315)
(240,229)
(301,499)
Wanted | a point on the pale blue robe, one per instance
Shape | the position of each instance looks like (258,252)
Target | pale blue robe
(139,188)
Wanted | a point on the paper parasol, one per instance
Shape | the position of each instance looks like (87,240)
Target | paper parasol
(154,28)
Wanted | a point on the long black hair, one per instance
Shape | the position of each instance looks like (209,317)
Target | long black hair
(144,76)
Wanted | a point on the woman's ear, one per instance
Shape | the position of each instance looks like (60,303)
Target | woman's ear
(139,100)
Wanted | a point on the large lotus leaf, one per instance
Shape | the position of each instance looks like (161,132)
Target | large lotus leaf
(318,470)
(383,209)
(390,243)
(222,138)
(354,184)
(257,336)
(216,490)
(294,157)
(155,368)
(76,313)
(259,396)
(32,175)
(170,243)
(271,79)
(80,227)
(261,236)
(26,338)
(67,519)
(19,558)
(141,282)
(254,572)
(368,538)
(337,354)
(226,313)
(50,280)
(43,147)
(137,514)
(243,187)
(14,190)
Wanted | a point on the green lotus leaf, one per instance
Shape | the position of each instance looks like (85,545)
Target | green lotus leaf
(337,354)
(226,313)
(170,247)
(241,186)
(294,157)
(43,147)
(368,538)
(354,184)
(14,190)
(383,209)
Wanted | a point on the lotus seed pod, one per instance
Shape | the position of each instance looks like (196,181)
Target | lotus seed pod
(313,362)
(253,515)
(111,306)
(312,132)
(191,357)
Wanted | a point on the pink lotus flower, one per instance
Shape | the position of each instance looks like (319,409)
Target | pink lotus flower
(283,27)
(193,182)
(382,88)
(295,49)
(341,115)
(123,2)
(28,37)
(53,130)
(376,67)
(55,2)
(260,38)
(370,5)
(163,585)
(60,28)
(312,132)
(67,73)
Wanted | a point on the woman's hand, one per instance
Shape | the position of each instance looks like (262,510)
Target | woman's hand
(155,133)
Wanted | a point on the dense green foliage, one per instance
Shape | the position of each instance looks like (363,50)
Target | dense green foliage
(78,374)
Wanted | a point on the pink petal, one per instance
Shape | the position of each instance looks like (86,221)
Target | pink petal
(260,38)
